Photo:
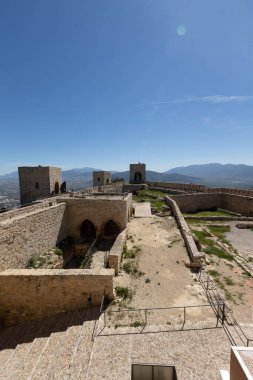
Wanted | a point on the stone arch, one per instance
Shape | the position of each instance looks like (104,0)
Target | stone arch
(110,229)
(56,188)
(137,177)
(63,187)
(88,231)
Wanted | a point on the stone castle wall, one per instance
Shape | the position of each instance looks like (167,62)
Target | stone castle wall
(137,168)
(37,182)
(102,178)
(55,175)
(28,232)
(204,201)
(177,186)
(98,211)
(28,177)
(46,292)
(199,188)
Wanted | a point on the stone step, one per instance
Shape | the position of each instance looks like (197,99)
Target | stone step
(9,339)
(26,365)
(21,349)
(81,355)
(66,351)
(56,340)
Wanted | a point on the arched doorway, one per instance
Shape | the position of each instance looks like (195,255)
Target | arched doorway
(56,188)
(63,187)
(88,231)
(110,230)
(137,177)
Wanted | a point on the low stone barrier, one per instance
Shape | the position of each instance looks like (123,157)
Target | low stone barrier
(194,254)
(115,254)
(244,225)
(215,218)
(37,293)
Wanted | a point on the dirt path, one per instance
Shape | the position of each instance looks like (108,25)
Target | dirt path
(166,282)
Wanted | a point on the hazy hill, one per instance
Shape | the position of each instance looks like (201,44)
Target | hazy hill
(159,177)
(212,174)
(215,174)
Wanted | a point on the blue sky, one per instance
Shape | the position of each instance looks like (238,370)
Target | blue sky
(105,83)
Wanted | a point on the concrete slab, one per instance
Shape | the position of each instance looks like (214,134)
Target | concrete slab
(142,210)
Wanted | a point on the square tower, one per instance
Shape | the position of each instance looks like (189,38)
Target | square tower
(37,182)
(137,173)
(102,178)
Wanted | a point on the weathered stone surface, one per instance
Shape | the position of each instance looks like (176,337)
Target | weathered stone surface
(115,254)
(33,294)
(28,232)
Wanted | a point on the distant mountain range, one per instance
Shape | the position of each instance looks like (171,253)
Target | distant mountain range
(216,174)
(213,174)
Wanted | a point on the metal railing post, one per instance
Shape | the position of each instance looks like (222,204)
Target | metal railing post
(223,312)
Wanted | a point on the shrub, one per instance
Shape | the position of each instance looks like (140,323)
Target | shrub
(229,281)
(214,273)
(123,292)
(58,251)
(136,324)
(31,262)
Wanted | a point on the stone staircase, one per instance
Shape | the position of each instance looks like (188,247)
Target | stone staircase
(58,347)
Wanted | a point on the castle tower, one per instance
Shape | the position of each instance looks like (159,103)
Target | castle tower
(137,173)
(36,182)
(102,178)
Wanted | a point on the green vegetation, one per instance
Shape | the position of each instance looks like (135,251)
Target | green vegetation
(131,253)
(154,197)
(228,295)
(136,324)
(36,262)
(132,269)
(210,245)
(31,262)
(214,273)
(212,250)
(147,280)
(124,292)
(215,212)
(219,232)
(229,281)
(203,237)
(58,251)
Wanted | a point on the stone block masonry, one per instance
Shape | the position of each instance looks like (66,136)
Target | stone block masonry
(193,252)
(115,254)
(206,201)
(98,210)
(30,232)
(46,292)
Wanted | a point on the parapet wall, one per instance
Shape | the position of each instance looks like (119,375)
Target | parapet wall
(199,188)
(28,232)
(177,186)
(203,201)
(46,292)
(194,202)
(194,254)
(115,254)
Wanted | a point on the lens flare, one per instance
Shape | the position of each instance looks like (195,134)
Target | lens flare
(181,30)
